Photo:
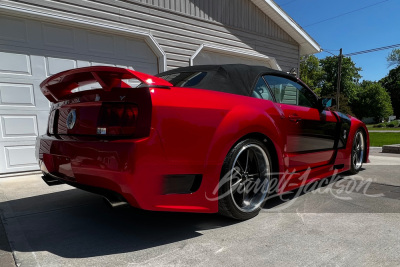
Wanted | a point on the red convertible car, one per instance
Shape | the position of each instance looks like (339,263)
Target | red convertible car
(218,138)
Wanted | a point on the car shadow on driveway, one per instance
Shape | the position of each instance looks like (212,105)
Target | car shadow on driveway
(277,201)
(343,193)
(76,224)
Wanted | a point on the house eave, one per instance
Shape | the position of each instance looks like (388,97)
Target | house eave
(307,45)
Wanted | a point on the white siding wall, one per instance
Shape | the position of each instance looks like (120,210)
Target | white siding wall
(180,26)
(240,14)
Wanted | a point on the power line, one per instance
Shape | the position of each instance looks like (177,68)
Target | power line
(372,50)
(326,51)
(343,14)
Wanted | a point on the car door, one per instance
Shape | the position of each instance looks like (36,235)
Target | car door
(310,131)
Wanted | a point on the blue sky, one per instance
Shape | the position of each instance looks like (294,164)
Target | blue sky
(369,28)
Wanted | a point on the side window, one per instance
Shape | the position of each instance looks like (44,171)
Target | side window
(261,90)
(290,92)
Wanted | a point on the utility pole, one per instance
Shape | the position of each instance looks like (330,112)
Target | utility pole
(339,78)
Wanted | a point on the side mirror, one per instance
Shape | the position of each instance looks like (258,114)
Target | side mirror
(327,102)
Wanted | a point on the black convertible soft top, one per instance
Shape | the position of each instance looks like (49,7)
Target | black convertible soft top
(231,78)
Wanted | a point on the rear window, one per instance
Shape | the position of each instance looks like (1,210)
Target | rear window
(185,79)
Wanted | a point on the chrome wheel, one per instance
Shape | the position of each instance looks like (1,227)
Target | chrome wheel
(358,151)
(250,178)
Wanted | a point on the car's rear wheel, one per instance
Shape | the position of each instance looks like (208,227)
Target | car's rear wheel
(245,180)
(357,152)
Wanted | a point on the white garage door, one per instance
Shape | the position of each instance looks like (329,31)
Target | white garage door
(32,50)
(205,57)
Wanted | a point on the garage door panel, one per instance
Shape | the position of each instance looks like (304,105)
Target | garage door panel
(22,94)
(58,37)
(22,124)
(13,29)
(56,65)
(18,126)
(12,63)
(41,102)
(81,64)
(39,69)
(132,48)
(18,156)
(16,95)
(101,44)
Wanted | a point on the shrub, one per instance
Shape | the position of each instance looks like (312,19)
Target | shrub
(392,124)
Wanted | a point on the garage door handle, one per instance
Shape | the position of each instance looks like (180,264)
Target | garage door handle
(294,118)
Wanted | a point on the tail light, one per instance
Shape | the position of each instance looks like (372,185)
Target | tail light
(50,127)
(117,119)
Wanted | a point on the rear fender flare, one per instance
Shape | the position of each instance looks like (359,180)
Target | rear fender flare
(239,122)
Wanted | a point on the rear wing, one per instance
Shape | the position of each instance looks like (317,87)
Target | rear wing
(60,85)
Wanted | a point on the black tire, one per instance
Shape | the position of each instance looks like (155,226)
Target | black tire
(358,149)
(244,189)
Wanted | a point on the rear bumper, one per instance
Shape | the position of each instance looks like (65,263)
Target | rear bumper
(134,169)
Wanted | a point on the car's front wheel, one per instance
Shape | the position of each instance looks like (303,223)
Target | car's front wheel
(245,180)
(357,152)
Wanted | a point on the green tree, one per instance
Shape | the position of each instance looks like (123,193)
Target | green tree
(394,57)
(349,81)
(311,73)
(392,84)
(372,100)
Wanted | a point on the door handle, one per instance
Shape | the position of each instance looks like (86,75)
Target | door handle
(294,118)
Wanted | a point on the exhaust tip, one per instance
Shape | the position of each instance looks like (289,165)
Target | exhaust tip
(50,180)
(115,201)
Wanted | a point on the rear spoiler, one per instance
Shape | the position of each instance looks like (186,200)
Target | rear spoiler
(60,85)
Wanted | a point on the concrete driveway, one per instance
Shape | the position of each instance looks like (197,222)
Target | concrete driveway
(347,222)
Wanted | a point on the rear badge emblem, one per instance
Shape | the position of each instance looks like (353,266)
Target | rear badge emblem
(71,119)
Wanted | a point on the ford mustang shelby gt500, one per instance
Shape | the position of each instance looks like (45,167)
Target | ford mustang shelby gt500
(218,138)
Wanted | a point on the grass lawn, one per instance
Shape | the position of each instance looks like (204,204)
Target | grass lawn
(371,127)
(397,129)
(381,139)
(385,127)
